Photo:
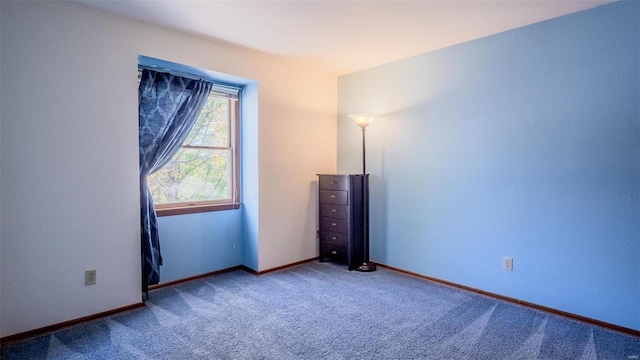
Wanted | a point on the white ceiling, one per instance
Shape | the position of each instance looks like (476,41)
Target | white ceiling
(345,36)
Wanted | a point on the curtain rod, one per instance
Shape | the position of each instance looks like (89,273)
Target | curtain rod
(188,76)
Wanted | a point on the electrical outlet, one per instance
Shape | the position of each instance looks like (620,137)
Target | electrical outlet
(90,277)
(507,263)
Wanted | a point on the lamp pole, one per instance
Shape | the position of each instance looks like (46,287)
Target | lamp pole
(366,265)
(363,121)
(364,153)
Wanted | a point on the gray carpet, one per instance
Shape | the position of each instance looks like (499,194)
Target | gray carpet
(322,311)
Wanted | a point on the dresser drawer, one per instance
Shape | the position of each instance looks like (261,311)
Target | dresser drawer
(334,238)
(338,253)
(334,211)
(332,224)
(334,182)
(334,197)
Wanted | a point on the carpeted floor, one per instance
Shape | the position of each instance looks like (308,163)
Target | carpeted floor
(322,311)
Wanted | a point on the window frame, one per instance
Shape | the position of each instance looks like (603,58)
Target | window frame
(193,207)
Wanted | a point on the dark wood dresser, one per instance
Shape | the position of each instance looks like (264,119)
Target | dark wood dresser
(342,218)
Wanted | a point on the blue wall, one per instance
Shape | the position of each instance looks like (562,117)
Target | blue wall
(522,144)
(196,244)
(250,176)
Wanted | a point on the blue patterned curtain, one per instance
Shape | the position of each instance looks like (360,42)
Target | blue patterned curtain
(168,106)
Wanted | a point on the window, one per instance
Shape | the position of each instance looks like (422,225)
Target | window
(204,174)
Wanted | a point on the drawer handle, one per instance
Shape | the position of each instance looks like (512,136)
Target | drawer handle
(334,238)
(334,210)
(334,252)
(334,224)
(333,182)
(332,196)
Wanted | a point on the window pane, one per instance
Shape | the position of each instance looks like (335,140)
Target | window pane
(193,175)
(212,126)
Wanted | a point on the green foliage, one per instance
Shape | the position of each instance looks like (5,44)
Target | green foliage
(212,126)
(198,172)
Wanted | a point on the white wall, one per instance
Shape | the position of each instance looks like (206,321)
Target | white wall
(70,159)
(295,144)
(69,170)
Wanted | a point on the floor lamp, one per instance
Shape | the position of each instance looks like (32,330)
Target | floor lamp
(364,120)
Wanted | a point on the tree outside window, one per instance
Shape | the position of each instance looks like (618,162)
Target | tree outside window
(202,175)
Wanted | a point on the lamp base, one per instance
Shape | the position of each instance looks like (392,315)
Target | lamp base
(367,267)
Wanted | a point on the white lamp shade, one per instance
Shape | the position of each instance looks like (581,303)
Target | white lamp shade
(363,120)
